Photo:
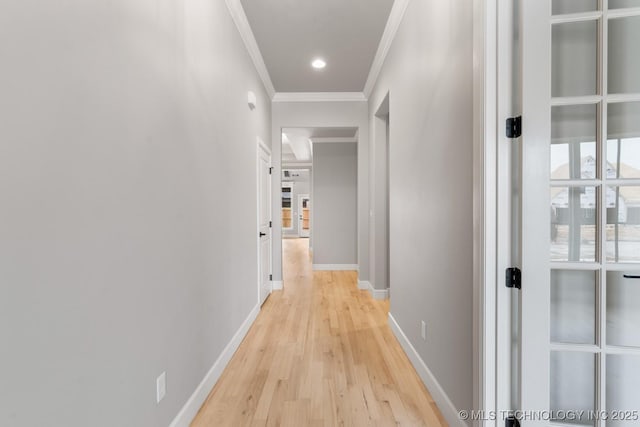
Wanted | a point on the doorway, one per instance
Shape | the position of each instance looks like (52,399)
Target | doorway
(381,276)
(320,163)
(264,221)
(304,215)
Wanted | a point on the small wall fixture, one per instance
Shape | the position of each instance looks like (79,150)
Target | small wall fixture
(251,99)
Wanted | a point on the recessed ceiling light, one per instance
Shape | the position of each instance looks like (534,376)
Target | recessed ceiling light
(318,64)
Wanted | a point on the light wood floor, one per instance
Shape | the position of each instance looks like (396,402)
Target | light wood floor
(320,353)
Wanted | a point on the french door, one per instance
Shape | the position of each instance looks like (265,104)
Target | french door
(304,215)
(580,213)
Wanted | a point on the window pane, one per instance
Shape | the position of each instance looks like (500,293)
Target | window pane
(623,224)
(574,59)
(623,377)
(573,223)
(619,4)
(574,6)
(623,308)
(573,306)
(624,60)
(623,134)
(573,147)
(572,384)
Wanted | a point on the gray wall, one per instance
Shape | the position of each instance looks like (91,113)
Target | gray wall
(335,233)
(324,114)
(428,75)
(123,250)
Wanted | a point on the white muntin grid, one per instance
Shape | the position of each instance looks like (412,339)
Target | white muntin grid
(601,265)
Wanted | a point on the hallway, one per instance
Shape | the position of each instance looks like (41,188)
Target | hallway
(320,353)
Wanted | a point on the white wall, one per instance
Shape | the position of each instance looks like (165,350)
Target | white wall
(428,75)
(123,251)
(323,114)
(335,168)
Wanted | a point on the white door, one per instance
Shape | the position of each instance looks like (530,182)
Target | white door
(264,221)
(304,215)
(580,204)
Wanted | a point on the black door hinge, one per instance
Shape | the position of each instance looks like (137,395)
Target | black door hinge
(270,224)
(270,170)
(514,127)
(511,421)
(271,277)
(514,278)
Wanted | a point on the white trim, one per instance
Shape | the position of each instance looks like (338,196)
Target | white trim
(335,267)
(330,140)
(263,148)
(393,23)
(364,285)
(378,294)
(276,285)
(486,123)
(576,17)
(301,165)
(240,19)
(623,97)
(575,100)
(623,13)
(318,96)
(443,402)
(191,408)
(501,52)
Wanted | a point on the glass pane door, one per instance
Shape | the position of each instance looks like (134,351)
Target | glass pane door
(580,302)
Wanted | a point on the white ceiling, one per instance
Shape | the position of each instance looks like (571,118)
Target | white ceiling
(290,33)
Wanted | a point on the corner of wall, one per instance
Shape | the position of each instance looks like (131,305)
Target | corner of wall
(446,406)
(192,406)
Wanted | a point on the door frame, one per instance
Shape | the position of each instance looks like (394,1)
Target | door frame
(300,220)
(496,97)
(261,147)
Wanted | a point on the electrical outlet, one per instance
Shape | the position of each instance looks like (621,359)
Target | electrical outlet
(423,331)
(161,386)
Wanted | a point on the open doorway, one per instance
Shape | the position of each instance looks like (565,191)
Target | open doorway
(296,183)
(319,198)
(381,256)
(304,216)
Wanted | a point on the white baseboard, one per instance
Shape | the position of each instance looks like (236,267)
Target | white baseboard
(364,285)
(379,293)
(191,408)
(445,405)
(375,293)
(276,285)
(335,267)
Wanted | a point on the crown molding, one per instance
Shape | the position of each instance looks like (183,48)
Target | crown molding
(318,96)
(393,23)
(293,165)
(240,19)
(328,140)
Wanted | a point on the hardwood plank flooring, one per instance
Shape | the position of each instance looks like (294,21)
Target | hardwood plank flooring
(320,353)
